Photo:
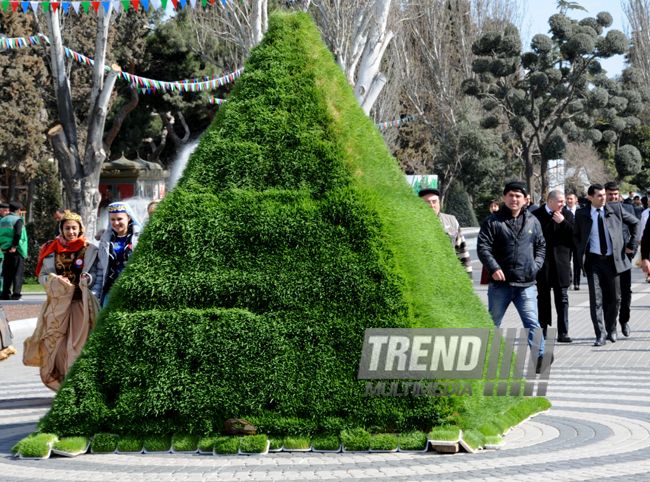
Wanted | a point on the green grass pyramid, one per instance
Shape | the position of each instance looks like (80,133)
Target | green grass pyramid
(291,231)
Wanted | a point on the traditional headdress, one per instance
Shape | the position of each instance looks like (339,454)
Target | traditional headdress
(121,207)
(72,217)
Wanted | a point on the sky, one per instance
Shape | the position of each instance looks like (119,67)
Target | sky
(540,10)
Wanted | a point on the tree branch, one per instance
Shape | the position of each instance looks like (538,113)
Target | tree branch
(119,118)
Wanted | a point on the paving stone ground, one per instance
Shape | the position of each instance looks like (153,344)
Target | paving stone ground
(597,430)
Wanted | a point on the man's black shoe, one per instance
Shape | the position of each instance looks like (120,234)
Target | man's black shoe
(612,337)
(539,363)
(564,339)
(576,287)
(6,298)
(16,297)
(600,341)
(625,329)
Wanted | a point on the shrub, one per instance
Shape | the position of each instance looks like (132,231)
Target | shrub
(355,440)
(459,205)
(104,443)
(276,443)
(185,442)
(157,443)
(206,444)
(297,443)
(71,444)
(413,441)
(326,442)
(226,445)
(254,444)
(33,440)
(447,434)
(474,439)
(130,443)
(291,231)
(383,441)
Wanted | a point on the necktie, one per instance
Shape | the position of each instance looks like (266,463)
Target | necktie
(601,233)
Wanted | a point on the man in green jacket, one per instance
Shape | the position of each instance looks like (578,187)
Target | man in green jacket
(4,210)
(13,243)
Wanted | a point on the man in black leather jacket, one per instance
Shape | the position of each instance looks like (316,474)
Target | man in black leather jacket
(511,246)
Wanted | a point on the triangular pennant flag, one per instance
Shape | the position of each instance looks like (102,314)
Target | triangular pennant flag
(193,3)
(65,6)
(5,5)
(107,6)
(205,3)
(175,3)
(135,4)
(46,6)
(55,5)
(164,4)
(125,4)
(75,6)
(182,2)
(145,4)
(116,6)
(14,5)
(86,6)
(95,6)
(35,6)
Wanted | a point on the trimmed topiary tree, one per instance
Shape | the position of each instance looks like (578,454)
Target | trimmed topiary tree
(459,204)
(291,231)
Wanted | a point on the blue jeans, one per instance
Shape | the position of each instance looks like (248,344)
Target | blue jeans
(499,298)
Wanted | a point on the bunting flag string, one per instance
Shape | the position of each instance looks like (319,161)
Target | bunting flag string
(383,125)
(144,84)
(106,5)
(217,101)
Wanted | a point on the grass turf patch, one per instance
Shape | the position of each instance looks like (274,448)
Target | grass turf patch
(415,440)
(493,440)
(291,231)
(185,442)
(206,444)
(34,440)
(253,444)
(130,443)
(276,443)
(445,434)
(326,442)
(383,441)
(157,443)
(71,444)
(34,447)
(474,439)
(104,443)
(355,440)
(297,442)
(226,445)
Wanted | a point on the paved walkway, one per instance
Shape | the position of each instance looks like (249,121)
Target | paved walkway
(597,430)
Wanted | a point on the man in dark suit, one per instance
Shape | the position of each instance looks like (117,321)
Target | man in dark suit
(598,235)
(573,205)
(614,196)
(555,274)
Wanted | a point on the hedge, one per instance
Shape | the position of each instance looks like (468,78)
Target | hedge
(291,231)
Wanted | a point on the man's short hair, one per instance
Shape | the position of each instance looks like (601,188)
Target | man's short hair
(424,192)
(572,194)
(593,188)
(555,194)
(612,186)
(58,210)
(515,186)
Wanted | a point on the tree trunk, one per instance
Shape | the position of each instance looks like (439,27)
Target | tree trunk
(370,80)
(259,20)
(11,196)
(530,171)
(81,179)
(30,201)
(544,175)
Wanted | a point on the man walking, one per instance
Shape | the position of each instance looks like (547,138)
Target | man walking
(511,246)
(452,228)
(573,205)
(557,227)
(613,194)
(598,234)
(13,242)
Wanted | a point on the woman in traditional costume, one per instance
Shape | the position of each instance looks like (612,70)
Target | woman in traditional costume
(117,244)
(68,268)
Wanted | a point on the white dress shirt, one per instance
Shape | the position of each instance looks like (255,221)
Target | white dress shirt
(594,237)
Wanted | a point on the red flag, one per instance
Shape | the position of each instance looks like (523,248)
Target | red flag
(135,4)
(14,5)
(175,2)
(95,6)
(54,5)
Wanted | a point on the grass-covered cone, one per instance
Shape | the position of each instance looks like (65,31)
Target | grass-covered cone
(290,233)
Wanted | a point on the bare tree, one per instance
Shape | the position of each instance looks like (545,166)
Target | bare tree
(584,166)
(637,13)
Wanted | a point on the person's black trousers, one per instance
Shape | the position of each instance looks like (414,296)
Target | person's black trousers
(575,279)
(12,274)
(626,296)
(544,309)
(604,284)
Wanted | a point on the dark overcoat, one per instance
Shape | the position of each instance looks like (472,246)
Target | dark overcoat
(556,270)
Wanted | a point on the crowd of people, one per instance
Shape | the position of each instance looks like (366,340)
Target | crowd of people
(527,252)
